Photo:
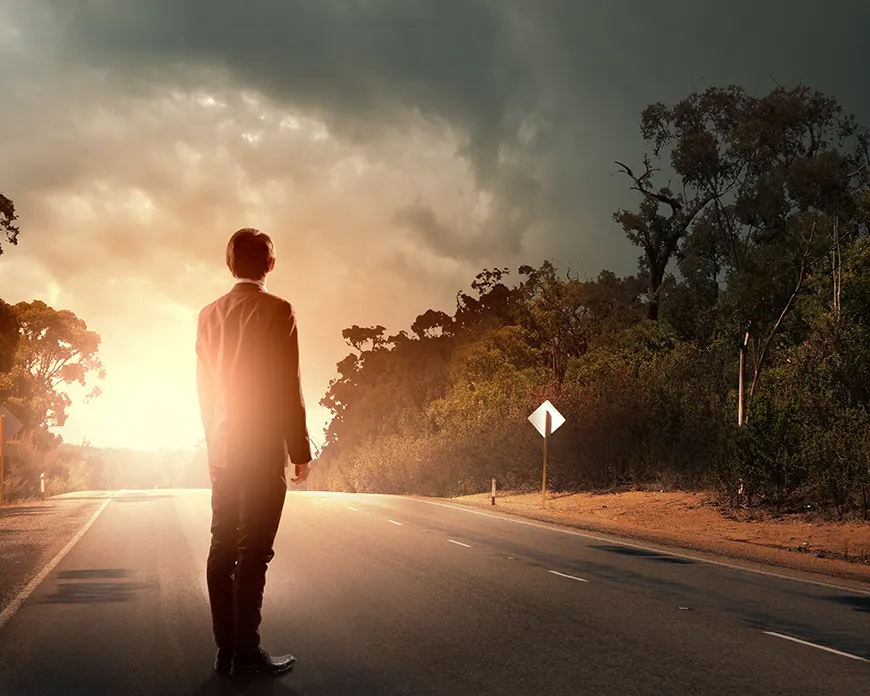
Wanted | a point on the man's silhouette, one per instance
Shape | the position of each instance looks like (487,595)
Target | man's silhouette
(253,413)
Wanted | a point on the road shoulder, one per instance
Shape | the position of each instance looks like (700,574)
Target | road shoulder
(33,532)
(673,526)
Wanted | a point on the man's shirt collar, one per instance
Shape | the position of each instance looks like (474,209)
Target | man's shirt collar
(259,283)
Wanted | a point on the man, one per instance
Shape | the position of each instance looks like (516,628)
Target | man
(253,413)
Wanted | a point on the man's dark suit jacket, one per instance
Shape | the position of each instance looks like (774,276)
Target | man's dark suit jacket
(248,381)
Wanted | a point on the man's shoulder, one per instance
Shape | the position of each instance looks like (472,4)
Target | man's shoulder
(209,308)
(275,304)
(271,303)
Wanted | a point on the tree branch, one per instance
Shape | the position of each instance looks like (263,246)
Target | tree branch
(769,341)
(640,185)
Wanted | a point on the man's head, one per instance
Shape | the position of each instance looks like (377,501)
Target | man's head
(250,254)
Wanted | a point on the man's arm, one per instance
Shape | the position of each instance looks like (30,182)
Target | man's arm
(295,426)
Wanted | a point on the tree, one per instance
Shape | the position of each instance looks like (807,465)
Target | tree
(431,323)
(658,235)
(9,336)
(745,167)
(55,349)
(357,337)
(566,316)
(7,220)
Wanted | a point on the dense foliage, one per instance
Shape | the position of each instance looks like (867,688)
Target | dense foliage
(757,246)
(763,231)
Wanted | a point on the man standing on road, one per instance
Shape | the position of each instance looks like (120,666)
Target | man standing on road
(253,413)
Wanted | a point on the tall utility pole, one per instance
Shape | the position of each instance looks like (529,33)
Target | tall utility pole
(743,348)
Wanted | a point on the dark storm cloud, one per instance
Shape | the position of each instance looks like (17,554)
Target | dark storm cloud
(359,63)
(486,68)
(460,133)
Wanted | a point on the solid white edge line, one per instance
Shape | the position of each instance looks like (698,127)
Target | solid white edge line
(394,522)
(9,611)
(816,645)
(587,535)
(459,543)
(572,577)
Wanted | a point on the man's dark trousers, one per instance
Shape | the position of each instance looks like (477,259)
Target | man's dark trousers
(246,509)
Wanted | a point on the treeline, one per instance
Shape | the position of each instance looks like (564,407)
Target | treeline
(68,468)
(758,245)
(42,351)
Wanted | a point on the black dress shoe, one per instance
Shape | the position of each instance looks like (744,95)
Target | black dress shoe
(262,664)
(223,663)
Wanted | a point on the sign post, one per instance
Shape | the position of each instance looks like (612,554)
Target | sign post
(548,423)
(546,420)
(9,426)
(2,462)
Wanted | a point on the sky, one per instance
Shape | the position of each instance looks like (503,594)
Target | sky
(392,149)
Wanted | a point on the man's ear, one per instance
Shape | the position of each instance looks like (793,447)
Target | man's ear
(271,264)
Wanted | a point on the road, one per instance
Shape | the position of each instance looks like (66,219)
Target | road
(382,595)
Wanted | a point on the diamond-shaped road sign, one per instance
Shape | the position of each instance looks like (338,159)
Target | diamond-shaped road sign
(11,425)
(539,418)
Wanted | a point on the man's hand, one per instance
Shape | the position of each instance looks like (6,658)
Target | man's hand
(301,474)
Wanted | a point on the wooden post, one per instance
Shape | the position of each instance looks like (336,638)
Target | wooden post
(2,465)
(546,441)
(740,397)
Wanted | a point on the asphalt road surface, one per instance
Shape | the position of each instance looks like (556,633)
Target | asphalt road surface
(381,595)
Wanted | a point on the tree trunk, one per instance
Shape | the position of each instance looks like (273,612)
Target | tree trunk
(656,273)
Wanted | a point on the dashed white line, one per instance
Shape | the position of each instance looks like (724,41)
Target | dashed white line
(571,577)
(352,508)
(459,543)
(676,554)
(394,522)
(815,645)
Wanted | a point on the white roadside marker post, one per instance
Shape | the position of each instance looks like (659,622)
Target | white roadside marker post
(493,491)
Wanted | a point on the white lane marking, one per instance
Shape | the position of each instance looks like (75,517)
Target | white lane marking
(16,603)
(394,522)
(586,535)
(352,508)
(815,645)
(570,577)
(459,543)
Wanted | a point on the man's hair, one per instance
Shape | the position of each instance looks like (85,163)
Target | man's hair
(250,253)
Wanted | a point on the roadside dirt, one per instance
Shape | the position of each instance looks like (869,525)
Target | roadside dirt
(698,521)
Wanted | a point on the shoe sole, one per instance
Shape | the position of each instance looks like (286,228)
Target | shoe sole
(259,672)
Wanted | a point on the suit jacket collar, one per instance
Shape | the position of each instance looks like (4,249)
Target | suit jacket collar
(250,286)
